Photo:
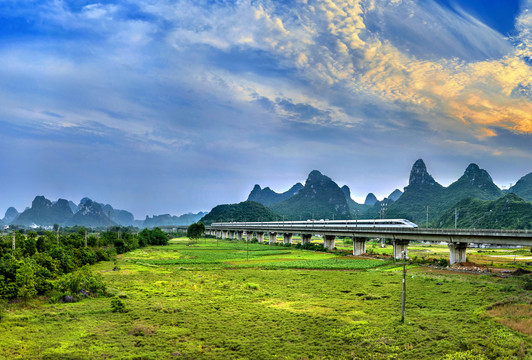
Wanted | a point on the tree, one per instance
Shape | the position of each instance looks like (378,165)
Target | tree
(195,231)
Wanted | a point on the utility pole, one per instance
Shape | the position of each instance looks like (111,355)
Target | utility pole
(404,289)
(13,245)
(58,235)
(455,217)
(85,238)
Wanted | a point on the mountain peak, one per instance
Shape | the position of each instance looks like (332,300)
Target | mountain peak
(314,175)
(371,199)
(395,195)
(419,174)
(346,191)
(41,202)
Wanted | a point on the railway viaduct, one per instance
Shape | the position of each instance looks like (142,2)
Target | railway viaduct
(457,239)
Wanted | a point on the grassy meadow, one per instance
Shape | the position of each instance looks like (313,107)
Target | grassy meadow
(216,299)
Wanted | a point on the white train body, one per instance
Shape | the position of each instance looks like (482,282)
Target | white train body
(370,223)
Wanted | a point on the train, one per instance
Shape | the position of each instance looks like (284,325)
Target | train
(369,223)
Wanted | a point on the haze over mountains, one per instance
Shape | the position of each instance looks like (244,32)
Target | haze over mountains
(88,213)
(423,198)
(424,201)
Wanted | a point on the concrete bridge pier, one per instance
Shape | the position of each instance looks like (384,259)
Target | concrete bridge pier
(305,238)
(272,238)
(225,234)
(218,234)
(287,238)
(249,235)
(458,252)
(398,247)
(359,246)
(328,241)
(232,234)
(260,237)
(239,235)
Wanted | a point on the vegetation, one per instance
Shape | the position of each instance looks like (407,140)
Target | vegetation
(176,301)
(321,198)
(195,231)
(244,211)
(508,212)
(57,266)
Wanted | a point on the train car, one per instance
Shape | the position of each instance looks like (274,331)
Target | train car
(366,223)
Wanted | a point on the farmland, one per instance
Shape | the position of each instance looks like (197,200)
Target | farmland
(225,300)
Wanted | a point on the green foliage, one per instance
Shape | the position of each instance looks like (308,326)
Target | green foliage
(195,231)
(321,198)
(244,211)
(181,309)
(25,280)
(152,237)
(508,212)
(117,305)
(82,279)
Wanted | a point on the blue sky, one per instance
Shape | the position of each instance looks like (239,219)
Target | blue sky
(159,106)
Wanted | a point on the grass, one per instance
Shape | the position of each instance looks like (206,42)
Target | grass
(203,301)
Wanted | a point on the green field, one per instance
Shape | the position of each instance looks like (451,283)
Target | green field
(216,300)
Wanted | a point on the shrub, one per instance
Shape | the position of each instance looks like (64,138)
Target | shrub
(83,279)
(117,305)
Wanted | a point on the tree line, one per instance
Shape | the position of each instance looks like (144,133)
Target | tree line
(55,264)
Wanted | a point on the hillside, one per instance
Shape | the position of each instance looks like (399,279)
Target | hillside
(169,220)
(244,211)
(268,197)
(422,190)
(45,213)
(508,212)
(523,187)
(321,198)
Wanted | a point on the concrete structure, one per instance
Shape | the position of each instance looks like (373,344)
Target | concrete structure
(398,247)
(328,241)
(260,237)
(306,238)
(458,239)
(249,235)
(287,238)
(225,234)
(458,252)
(359,245)
(239,235)
(272,238)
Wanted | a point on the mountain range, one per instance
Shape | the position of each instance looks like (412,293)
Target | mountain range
(423,201)
(88,213)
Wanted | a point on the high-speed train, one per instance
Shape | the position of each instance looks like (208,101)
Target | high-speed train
(380,223)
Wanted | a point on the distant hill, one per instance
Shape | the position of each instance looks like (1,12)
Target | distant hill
(508,212)
(422,190)
(244,211)
(320,198)
(11,214)
(395,195)
(523,187)
(45,213)
(268,197)
(169,220)
(371,199)
(353,205)
(90,214)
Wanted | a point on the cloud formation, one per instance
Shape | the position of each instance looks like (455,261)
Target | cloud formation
(198,84)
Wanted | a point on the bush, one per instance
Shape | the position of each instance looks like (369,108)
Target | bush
(83,279)
(528,283)
(117,305)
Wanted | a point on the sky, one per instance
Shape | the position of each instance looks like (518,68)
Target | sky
(176,106)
